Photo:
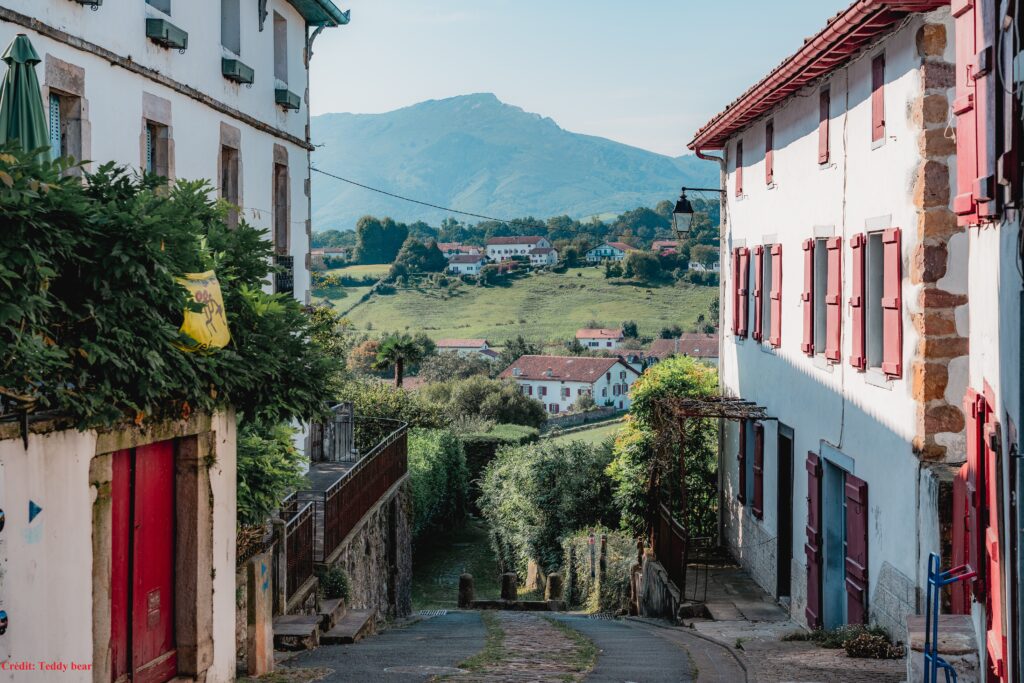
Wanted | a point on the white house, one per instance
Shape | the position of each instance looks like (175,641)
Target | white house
(699,345)
(503,248)
(559,381)
(466,347)
(609,251)
(466,264)
(715,267)
(188,90)
(600,338)
(843,315)
(454,248)
(543,256)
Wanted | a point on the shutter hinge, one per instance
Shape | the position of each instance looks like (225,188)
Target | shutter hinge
(982,63)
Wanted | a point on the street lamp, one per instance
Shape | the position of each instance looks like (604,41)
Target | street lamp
(682,214)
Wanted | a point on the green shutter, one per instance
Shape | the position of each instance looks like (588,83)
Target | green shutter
(55,146)
(149,149)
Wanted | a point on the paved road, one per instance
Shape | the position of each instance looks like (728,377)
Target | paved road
(436,642)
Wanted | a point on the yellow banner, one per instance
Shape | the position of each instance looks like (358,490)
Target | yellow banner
(207,327)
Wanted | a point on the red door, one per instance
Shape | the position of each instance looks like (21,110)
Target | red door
(812,548)
(994,606)
(856,550)
(142,558)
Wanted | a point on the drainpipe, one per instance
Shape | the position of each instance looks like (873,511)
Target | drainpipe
(721,287)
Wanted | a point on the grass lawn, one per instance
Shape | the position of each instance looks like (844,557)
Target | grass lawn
(595,436)
(439,559)
(548,307)
(377,270)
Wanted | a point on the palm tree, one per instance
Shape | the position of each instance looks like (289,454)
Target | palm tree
(397,350)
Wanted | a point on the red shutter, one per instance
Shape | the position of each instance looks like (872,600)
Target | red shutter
(824,115)
(758,506)
(812,548)
(758,292)
(769,152)
(961,599)
(739,168)
(856,550)
(744,283)
(736,292)
(808,298)
(776,295)
(991,495)
(834,300)
(741,459)
(857,319)
(965,112)
(878,98)
(892,311)
(974,410)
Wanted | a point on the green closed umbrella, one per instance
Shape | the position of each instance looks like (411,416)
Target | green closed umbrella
(21,102)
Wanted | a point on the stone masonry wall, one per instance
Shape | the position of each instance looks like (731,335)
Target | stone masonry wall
(894,597)
(758,550)
(938,265)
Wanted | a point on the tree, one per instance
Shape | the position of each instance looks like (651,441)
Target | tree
(449,365)
(584,403)
(417,257)
(629,329)
(379,240)
(516,348)
(704,254)
(641,265)
(362,358)
(575,348)
(612,269)
(394,352)
(673,332)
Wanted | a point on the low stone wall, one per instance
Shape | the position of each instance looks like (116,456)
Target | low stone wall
(573,419)
(758,552)
(658,597)
(894,597)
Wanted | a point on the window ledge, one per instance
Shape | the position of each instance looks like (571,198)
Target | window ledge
(876,378)
(822,363)
(876,144)
(766,347)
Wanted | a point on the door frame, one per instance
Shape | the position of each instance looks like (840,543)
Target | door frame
(784,457)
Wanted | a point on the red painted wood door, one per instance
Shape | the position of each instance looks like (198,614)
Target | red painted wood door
(812,548)
(994,605)
(142,576)
(856,550)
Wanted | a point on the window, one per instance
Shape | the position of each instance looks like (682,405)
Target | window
(608,344)
(229,185)
(775,296)
(157,159)
(622,374)
(873,283)
(766,285)
(281,213)
(878,99)
(739,168)
(769,152)
(741,281)
(824,114)
(543,391)
(566,392)
(604,391)
(820,288)
(65,126)
(162,5)
(230,26)
(876,303)
(280,49)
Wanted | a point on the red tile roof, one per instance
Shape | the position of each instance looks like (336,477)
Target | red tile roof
(690,344)
(621,246)
(598,333)
(658,245)
(541,250)
(460,343)
(846,34)
(514,240)
(562,368)
(466,258)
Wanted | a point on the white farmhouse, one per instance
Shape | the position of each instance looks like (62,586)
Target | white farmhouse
(544,256)
(841,317)
(466,347)
(609,251)
(559,381)
(601,338)
(503,248)
(453,248)
(466,264)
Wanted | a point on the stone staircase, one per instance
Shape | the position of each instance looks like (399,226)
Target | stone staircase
(333,624)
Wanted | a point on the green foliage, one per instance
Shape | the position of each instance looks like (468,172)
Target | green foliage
(517,348)
(372,398)
(450,365)
(630,329)
(533,496)
(490,399)
(437,470)
(269,468)
(646,468)
(399,350)
(378,240)
(608,591)
(333,238)
(334,583)
(482,447)
(417,257)
(672,332)
(91,312)
(641,265)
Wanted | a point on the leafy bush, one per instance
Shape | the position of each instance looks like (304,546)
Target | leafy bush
(437,471)
(269,468)
(334,583)
(372,398)
(491,399)
(607,591)
(534,496)
(865,642)
(481,448)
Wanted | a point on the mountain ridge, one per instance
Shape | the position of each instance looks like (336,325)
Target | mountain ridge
(478,154)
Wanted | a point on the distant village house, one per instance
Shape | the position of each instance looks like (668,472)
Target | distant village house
(466,264)
(559,381)
(503,248)
(703,347)
(466,347)
(600,338)
(609,251)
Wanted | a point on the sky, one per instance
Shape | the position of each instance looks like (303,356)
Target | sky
(644,72)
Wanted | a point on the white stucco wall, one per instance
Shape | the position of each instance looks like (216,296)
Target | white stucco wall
(859,420)
(554,390)
(115,95)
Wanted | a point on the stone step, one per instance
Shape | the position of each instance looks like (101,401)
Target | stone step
(352,627)
(331,612)
(296,632)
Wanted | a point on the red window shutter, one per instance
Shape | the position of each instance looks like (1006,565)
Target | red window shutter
(739,168)
(961,598)
(758,291)
(808,298)
(744,283)
(736,292)
(824,115)
(995,638)
(857,319)
(741,459)
(892,309)
(833,300)
(812,547)
(878,98)
(758,507)
(769,152)
(776,295)
(974,410)
(965,111)
(856,550)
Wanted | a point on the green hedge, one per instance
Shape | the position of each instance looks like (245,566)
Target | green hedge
(607,590)
(482,447)
(437,470)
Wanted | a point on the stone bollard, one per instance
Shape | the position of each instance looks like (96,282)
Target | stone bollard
(466,591)
(509,586)
(553,591)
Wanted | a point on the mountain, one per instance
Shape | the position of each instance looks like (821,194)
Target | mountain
(478,154)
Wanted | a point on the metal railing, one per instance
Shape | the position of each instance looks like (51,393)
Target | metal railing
(671,547)
(333,440)
(298,516)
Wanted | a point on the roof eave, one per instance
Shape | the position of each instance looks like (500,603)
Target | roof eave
(321,12)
